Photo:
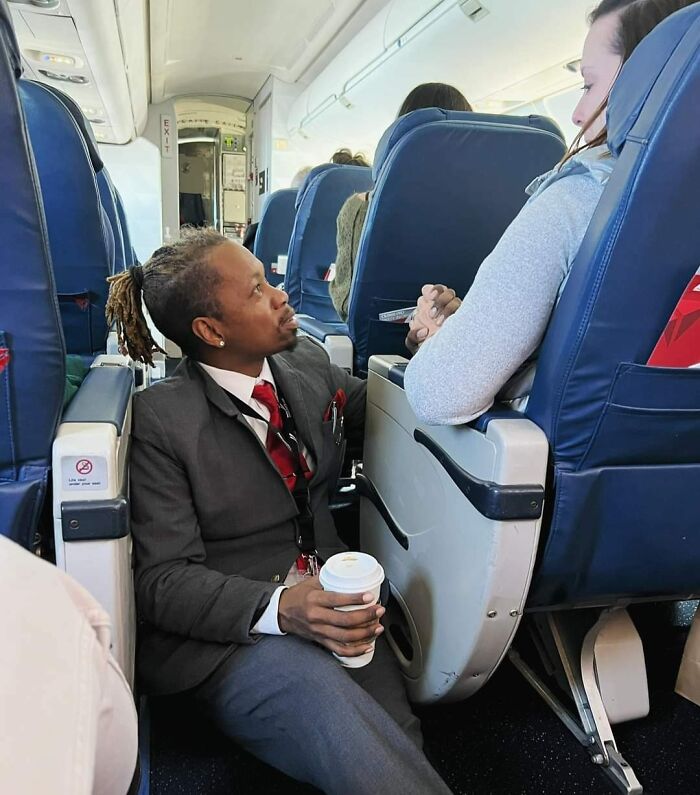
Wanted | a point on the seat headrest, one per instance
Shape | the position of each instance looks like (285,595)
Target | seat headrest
(83,125)
(642,70)
(8,38)
(310,177)
(417,118)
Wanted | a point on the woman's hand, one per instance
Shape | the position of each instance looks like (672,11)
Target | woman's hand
(436,303)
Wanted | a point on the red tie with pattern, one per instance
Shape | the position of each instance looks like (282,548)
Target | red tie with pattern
(279,452)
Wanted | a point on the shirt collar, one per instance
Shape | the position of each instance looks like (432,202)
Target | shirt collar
(239,384)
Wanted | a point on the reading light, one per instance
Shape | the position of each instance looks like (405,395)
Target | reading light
(54,59)
(573,66)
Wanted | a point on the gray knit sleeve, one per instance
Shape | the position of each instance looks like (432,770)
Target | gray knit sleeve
(457,373)
(349,230)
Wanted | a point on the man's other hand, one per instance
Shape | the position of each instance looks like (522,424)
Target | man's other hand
(308,611)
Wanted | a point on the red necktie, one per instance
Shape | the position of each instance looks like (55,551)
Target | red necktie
(279,452)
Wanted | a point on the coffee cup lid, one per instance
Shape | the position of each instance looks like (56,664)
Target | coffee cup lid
(351,572)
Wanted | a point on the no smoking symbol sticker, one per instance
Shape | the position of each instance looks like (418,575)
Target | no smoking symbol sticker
(84,466)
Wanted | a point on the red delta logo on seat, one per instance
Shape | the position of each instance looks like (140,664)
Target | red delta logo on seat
(82,303)
(679,345)
(4,358)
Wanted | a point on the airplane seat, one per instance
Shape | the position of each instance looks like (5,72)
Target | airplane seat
(79,238)
(84,452)
(31,343)
(275,230)
(447,184)
(312,248)
(587,501)
(104,182)
(309,178)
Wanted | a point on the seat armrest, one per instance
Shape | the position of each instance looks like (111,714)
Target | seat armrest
(499,411)
(319,329)
(90,498)
(103,397)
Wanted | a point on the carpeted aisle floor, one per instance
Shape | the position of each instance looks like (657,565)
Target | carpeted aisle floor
(503,741)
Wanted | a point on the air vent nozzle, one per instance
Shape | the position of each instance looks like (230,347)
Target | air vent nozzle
(474,10)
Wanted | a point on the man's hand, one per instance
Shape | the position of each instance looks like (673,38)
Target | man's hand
(435,305)
(307,610)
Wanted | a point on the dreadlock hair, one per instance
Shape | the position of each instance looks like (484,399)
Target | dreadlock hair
(175,285)
(637,19)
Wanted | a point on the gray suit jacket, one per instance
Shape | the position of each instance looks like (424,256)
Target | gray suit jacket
(212,521)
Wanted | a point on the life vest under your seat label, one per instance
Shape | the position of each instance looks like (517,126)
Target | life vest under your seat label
(84,473)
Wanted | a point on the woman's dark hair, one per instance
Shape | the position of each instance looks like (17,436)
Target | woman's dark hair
(344,157)
(434,95)
(175,285)
(637,18)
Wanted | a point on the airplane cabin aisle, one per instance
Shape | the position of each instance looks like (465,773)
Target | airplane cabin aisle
(502,741)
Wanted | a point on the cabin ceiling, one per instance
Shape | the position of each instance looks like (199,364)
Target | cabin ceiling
(232,46)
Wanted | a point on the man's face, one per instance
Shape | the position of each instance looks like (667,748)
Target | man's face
(256,320)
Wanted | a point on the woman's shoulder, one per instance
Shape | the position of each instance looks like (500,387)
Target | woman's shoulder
(587,170)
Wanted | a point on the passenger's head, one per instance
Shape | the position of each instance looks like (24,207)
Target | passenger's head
(344,157)
(206,294)
(434,95)
(617,27)
(300,176)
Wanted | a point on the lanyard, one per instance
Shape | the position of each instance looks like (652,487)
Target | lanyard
(304,536)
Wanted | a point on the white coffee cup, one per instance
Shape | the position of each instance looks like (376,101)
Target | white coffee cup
(353,572)
(282,264)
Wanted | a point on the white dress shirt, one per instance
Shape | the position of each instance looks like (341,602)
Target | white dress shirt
(242,386)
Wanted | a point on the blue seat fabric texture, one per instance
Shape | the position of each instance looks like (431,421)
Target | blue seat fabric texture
(80,235)
(32,353)
(625,437)
(275,230)
(313,243)
(104,182)
(447,186)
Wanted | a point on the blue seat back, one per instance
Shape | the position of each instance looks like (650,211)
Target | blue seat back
(129,253)
(109,205)
(313,244)
(309,178)
(32,356)
(447,186)
(625,437)
(104,182)
(275,230)
(79,234)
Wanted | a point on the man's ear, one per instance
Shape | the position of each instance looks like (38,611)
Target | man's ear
(206,329)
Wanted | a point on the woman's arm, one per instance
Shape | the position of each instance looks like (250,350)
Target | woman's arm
(457,373)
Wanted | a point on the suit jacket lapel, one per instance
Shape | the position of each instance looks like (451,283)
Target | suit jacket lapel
(289,383)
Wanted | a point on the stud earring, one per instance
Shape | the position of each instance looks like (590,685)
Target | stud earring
(221,343)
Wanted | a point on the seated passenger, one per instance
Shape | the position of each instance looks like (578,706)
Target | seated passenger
(352,214)
(344,157)
(67,717)
(218,537)
(489,347)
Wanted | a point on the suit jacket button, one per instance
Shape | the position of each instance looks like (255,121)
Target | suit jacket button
(276,578)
